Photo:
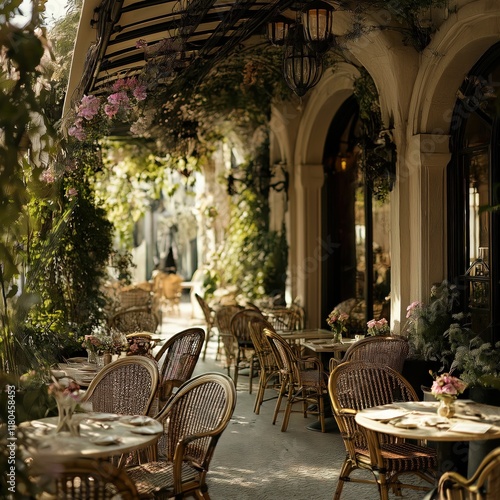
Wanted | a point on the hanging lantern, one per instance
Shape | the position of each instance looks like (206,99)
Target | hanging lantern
(317,19)
(278,29)
(302,66)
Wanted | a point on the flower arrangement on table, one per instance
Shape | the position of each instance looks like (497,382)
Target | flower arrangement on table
(378,327)
(337,321)
(66,392)
(139,343)
(446,388)
(102,343)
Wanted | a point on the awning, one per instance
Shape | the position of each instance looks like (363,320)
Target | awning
(117,37)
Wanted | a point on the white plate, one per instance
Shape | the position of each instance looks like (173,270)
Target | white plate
(146,430)
(87,368)
(138,420)
(105,440)
(73,361)
(103,417)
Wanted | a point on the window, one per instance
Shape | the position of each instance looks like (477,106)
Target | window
(473,173)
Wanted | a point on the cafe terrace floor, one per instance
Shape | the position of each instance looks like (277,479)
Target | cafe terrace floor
(254,460)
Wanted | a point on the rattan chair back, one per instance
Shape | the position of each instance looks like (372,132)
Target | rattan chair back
(177,360)
(126,386)
(85,479)
(483,485)
(389,351)
(354,386)
(223,323)
(245,350)
(193,422)
(303,379)
(209,315)
(268,369)
(133,296)
(135,320)
(284,319)
(167,289)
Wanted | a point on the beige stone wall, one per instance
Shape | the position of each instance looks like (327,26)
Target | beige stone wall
(419,91)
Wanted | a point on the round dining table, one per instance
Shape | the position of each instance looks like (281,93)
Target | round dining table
(419,420)
(102,435)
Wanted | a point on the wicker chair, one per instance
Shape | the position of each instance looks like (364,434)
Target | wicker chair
(389,351)
(245,352)
(177,360)
(268,369)
(223,318)
(302,385)
(483,485)
(126,386)
(133,296)
(209,315)
(167,290)
(83,479)
(284,319)
(354,386)
(135,320)
(193,421)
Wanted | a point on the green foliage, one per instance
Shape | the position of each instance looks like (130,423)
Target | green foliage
(27,140)
(133,177)
(378,151)
(477,361)
(252,258)
(69,288)
(428,325)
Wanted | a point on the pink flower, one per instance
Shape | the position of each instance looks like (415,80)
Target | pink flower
(140,92)
(48,176)
(378,327)
(119,99)
(413,306)
(77,131)
(447,385)
(71,192)
(120,85)
(111,110)
(89,107)
(141,44)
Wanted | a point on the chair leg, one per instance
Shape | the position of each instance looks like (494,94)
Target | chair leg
(288,409)
(322,412)
(345,472)
(283,387)
(236,370)
(251,374)
(207,340)
(260,393)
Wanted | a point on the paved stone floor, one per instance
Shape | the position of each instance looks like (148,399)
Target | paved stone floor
(255,460)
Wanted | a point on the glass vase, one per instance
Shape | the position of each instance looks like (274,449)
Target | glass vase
(446,407)
(337,337)
(91,356)
(66,423)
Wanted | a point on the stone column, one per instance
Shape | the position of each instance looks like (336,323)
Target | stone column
(309,181)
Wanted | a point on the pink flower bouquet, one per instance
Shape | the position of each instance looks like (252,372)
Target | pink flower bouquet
(378,327)
(445,385)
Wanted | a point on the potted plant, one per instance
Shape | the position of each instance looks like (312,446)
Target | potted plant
(426,330)
(427,325)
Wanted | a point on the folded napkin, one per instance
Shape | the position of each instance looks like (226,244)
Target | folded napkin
(384,414)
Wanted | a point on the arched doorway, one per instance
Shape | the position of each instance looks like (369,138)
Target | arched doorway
(473,182)
(357,270)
